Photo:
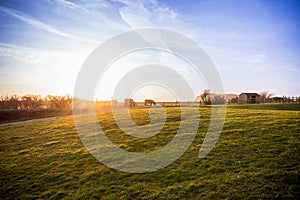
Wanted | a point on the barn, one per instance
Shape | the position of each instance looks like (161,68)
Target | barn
(249,98)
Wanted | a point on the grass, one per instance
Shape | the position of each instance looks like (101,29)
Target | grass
(294,106)
(256,157)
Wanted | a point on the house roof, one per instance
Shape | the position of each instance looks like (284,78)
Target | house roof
(255,94)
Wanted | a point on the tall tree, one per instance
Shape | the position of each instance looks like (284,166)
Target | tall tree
(205,97)
(265,96)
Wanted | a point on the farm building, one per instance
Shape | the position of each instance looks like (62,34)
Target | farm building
(277,99)
(249,98)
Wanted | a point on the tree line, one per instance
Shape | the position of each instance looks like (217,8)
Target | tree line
(208,98)
(31,101)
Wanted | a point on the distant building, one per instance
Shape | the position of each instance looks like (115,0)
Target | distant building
(277,100)
(249,98)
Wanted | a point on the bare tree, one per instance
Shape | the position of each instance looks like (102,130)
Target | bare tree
(205,97)
(9,101)
(60,102)
(13,102)
(270,95)
(234,100)
(30,101)
(218,99)
(265,96)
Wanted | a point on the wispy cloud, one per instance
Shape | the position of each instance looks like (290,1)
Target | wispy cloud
(146,13)
(40,25)
(289,67)
(68,4)
(24,54)
(134,13)
(95,12)
(234,55)
(293,69)
(279,67)
(85,4)
(164,13)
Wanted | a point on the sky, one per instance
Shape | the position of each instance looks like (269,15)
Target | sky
(254,44)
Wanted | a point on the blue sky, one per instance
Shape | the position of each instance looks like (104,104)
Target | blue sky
(255,45)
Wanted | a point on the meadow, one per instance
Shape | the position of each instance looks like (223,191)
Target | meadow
(256,157)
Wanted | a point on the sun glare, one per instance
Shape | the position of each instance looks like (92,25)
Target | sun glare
(126,65)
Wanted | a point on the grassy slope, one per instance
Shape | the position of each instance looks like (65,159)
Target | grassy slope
(257,156)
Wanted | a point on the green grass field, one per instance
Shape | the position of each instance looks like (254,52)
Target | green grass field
(256,157)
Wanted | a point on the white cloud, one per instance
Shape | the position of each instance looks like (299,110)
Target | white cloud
(87,5)
(68,4)
(28,55)
(164,13)
(94,13)
(147,13)
(284,67)
(247,58)
(292,69)
(135,14)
